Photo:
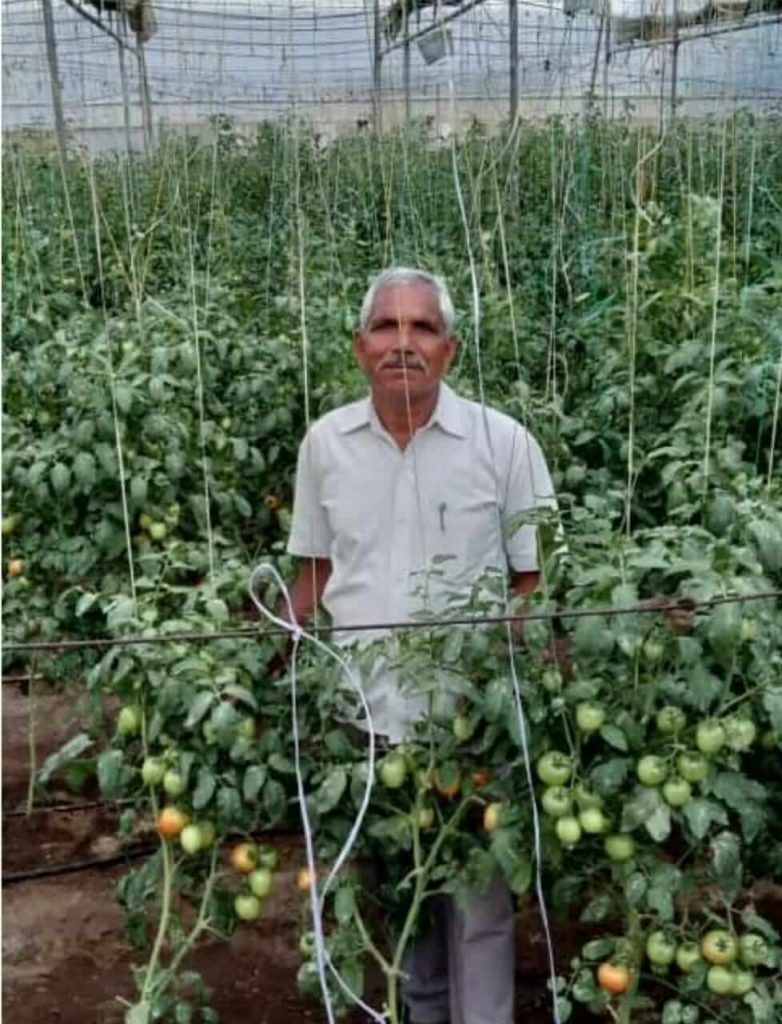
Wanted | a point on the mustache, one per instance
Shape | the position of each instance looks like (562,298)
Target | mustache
(394,362)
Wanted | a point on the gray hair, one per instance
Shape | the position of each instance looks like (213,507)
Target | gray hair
(409,275)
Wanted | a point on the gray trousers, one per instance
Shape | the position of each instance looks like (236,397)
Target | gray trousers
(461,970)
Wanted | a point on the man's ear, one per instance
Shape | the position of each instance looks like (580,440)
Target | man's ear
(453,342)
(358,347)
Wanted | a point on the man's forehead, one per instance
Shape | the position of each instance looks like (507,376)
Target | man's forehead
(405,298)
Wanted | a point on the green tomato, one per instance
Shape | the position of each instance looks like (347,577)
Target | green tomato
(619,847)
(710,737)
(393,771)
(173,783)
(425,817)
(158,531)
(568,830)
(660,949)
(691,766)
(749,630)
(742,982)
(740,733)
(677,792)
(554,768)
(653,650)
(651,770)
(753,950)
(589,716)
(207,830)
(260,882)
(720,981)
(671,720)
(152,771)
(593,821)
(307,944)
(586,797)
(248,729)
(128,721)
(247,907)
(552,680)
(191,839)
(557,801)
(688,956)
(267,857)
(463,728)
(719,946)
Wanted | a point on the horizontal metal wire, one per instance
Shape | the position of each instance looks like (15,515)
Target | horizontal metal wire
(259,633)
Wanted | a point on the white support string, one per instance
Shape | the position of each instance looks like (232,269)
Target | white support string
(518,702)
(317,902)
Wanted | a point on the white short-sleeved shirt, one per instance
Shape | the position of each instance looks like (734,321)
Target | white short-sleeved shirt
(387,517)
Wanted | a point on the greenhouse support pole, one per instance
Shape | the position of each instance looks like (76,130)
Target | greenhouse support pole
(513,24)
(406,65)
(377,102)
(54,75)
(146,100)
(675,58)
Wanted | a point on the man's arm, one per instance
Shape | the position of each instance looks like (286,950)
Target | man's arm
(523,583)
(308,587)
(305,596)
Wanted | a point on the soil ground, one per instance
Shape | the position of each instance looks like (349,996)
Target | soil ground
(65,959)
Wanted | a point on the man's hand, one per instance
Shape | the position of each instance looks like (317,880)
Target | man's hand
(679,617)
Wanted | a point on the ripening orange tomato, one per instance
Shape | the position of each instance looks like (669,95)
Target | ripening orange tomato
(171,821)
(613,978)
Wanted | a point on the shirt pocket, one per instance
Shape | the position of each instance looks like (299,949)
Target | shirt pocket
(467,527)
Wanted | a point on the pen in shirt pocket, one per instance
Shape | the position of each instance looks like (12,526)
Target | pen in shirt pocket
(442,508)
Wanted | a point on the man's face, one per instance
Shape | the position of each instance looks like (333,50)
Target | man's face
(405,348)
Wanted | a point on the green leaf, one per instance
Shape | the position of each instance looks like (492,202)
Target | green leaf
(84,469)
(200,705)
(282,764)
(658,824)
(597,949)
(60,759)
(204,789)
(665,882)
(330,791)
(726,857)
(226,721)
(642,804)
(598,908)
(702,687)
(60,477)
(585,988)
(139,1013)
(614,737)
(110,765)
(344,904)
(254,778)
(772,702)
(609,776)
(274,801)
(229,807)
(724,631)
(635,889)
(700,814)
(241,693)
(746,797)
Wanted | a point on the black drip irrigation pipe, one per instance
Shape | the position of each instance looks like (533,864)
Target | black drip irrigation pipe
(129,853)
(257,633)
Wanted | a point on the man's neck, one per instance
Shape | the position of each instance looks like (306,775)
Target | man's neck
(402,417)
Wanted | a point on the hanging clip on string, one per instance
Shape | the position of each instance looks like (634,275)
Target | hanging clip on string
(317,900)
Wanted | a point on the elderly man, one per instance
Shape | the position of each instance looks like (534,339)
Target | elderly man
(383,486)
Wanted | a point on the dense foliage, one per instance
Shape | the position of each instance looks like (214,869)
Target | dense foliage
(159,319)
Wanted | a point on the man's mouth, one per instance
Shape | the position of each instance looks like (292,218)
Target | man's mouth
(403,366)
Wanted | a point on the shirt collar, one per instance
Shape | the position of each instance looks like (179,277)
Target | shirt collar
(447,414)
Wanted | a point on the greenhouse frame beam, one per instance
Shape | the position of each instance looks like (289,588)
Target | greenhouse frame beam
(680,40)
(98,23)
(468,6)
